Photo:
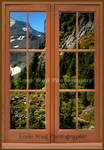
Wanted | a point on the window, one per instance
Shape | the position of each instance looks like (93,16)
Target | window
(52,74)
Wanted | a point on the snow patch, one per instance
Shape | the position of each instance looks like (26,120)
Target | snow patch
(12,40)
(16,46)
(39,35)
(12,37)
(15,70)
(21,38)
(12,22)
(24,29)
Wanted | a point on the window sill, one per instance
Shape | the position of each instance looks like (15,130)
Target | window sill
(52,146)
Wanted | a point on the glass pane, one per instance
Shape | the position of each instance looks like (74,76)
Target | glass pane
(18,28)
(37,118)
(18,70)
(67,70)
(37,30)
(37,70)
(18,110)
(86,70)
(86,31)
(86,114)
(67,30)
(67,110)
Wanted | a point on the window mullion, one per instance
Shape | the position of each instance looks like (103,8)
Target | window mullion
(76,70)
(27,71)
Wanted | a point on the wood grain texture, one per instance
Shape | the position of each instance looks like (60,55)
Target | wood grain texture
(52,89)
(52,146)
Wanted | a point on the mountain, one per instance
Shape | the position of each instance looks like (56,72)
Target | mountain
(18,38)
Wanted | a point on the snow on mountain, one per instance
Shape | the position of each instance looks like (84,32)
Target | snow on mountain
(12,22)
(12,37)
(11,40)
(20,38)
(15,70)
(24,29)
(39,35)
(16,46)
(18,32)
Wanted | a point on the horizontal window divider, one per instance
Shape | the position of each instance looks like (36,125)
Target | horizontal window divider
(76,129)
(77,50)
(27,90)
(86,50)
(29,129)
(76,90)
(69,50)
(18,50)
(37,50)
(26,50)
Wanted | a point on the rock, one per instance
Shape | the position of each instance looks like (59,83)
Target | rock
(85,27)
(89,109)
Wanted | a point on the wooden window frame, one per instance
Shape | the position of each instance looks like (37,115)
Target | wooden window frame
(91,136)
(11,133)
(53,86)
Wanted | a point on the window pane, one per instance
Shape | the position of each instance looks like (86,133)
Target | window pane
(37,70)
(86,115)
(18,28)
(86,31)
(67,70)
(18,110)
(67,30)
(86,70)
(67,110)
(18,70)
(37,111)
(37,30)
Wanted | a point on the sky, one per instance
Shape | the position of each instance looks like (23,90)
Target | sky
(36,19)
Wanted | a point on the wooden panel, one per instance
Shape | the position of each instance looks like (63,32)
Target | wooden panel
(53,146)
(76,8)
(27,8)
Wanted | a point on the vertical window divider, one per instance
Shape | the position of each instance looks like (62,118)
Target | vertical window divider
(27,70)
(76,70)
